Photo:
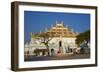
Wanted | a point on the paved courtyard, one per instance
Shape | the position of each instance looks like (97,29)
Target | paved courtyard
(58,57)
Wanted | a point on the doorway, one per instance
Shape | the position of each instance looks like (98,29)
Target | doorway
(52,52)
(60,43)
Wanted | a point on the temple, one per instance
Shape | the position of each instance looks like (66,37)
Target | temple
(61,40)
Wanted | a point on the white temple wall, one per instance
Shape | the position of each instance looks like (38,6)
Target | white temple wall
(66,42)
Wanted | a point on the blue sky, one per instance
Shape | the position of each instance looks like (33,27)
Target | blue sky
(35,21)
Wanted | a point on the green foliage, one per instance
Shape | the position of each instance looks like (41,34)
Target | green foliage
(83,36)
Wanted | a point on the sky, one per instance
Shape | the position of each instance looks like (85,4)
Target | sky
(36,21)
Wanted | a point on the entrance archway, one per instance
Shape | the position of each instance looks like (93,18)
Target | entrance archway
(52,52)
(60,43)
(60,47)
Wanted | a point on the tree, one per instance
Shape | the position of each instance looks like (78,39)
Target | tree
(45,40)
(85,36)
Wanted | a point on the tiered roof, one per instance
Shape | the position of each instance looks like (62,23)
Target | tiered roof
(59,30)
